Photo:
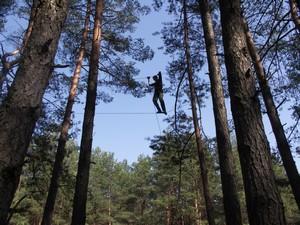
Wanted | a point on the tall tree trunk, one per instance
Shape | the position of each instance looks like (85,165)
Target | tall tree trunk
(282,142)
(82,179)
(197,211)
(21,108)
(168,215)
(200,144)
(294,13)
(264,204)
(61,151)
(109,206)
(30,24)
(230,195)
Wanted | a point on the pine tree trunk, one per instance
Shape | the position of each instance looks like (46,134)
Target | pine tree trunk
(200,144)
(82,179)
(21,108)
(61,151)
(197,211)
(30,24)
(230,195)
(294,13)
(168,215)
(264,204)
(282,142)
(109,206)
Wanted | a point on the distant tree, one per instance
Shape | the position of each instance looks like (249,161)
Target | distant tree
(290,205)
(177,182)
(30,197)
(199,140)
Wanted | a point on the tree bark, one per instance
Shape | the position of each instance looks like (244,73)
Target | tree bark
(230,195)
(294,13)
(21,108)
(82,179)
(30,24)
(264,204)
(197,211)
(200,150)
(168,215)
(61,151)
(282,142)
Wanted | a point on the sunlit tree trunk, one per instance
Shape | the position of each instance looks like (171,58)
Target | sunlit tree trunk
(230,195)
(200,144)
(197,211)
(264,204)
(82,179)
(61,151)
(30,24)
(282,142)
(168,215)
(21,108)
(109,206)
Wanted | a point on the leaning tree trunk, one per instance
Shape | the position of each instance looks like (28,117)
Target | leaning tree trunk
(61,151)
(21,108)
(264,204)
(199,141)
(282,142)
(230,195)
(82,179)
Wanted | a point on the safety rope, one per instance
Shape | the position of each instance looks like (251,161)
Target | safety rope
(158,125)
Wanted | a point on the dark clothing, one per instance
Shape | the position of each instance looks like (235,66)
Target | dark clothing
(157,85)
(158,94)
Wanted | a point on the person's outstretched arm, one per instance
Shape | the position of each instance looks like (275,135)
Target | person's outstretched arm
(159,76)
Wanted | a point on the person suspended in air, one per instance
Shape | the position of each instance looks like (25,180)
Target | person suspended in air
(158,93)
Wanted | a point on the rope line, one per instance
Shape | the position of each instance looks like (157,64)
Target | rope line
(158,125)
(121,113)
(124,113)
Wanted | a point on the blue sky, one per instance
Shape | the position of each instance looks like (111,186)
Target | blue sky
(126,134)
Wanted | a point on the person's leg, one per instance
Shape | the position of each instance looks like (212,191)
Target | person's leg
(162,103)
(155,98)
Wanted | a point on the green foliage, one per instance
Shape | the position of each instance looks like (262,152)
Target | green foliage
(139,194)
(119,50)
(291,211)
